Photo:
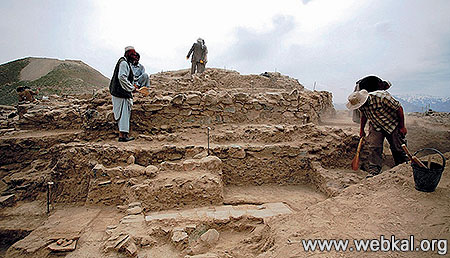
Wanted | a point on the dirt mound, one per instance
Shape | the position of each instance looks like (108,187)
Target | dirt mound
(52,76)
(37,68)
(222,79)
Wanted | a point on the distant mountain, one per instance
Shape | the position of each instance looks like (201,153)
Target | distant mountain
(416,103)
(420,103)
(52,76)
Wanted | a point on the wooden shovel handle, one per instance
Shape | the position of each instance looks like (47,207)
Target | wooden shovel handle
(355,161)
(413,159)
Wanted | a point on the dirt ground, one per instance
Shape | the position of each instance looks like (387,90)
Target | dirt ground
(255,190)
(384,205)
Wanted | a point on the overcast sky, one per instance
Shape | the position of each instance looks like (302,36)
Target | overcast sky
(331,42)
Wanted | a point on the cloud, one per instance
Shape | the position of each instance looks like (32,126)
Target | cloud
(332,43)
(253,51)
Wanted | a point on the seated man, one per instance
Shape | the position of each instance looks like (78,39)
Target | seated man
(26,94)
(141,79)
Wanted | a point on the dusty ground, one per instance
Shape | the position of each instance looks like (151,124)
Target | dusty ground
(384,205)
(264,188)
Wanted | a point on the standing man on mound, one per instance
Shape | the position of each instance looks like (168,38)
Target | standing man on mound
(386,120)
(199,58)
(121,88)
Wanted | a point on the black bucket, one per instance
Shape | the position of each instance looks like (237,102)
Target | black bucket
(426,180)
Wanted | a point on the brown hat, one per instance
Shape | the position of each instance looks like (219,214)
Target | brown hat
(357,99)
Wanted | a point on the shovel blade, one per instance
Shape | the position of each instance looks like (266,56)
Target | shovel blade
(355,163)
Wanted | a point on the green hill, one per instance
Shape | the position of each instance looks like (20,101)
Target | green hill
(52,76)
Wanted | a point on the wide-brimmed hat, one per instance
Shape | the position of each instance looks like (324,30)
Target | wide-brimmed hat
(357,99)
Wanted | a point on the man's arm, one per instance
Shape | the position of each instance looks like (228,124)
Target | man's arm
(362,133)
(190,51)
(124,71)
(401,121)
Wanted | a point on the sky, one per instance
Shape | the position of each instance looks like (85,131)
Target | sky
(325,44)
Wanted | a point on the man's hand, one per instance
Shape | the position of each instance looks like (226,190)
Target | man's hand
(187,57)
(201,61)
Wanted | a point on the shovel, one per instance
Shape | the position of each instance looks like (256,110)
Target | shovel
(355,162)
(144,91)
(413,158)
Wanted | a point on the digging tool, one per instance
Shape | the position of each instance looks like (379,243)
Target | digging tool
(413,158)
(49,186)
(355,162)
(144,91)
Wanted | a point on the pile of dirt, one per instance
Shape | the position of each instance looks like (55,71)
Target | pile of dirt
(51,76)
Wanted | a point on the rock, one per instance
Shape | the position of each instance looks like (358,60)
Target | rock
(65,246)
(178,99)
(189,165)
(211,163)
(237,152)
(241,97)
(134,211)
(210,98)
(151,171)
(193,99)
(131,160)
(133,181)
(7,200)
(111,227)
(122,207)
(210,237)
(134,204)
(134,170)
(98,169)
(153,107)
(201,155)
(225,98)
(131,249)
(104,183)
(179,236)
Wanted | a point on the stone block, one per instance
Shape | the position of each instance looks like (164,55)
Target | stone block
(179,236)
(193,99)
(131,159)
(63,245)
(132,219)
(134,211)
(211,163)
(134,170)
(210,237)
(151,171)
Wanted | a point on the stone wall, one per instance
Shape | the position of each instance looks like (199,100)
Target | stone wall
(183,109)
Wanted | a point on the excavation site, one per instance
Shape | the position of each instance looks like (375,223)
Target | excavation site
(223,165)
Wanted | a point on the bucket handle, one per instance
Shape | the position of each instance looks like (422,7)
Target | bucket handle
(438,152)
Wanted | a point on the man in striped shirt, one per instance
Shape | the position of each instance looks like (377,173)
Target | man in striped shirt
(386,120)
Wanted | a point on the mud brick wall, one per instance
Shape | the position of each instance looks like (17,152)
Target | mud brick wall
(256,165)
(163,110)
(229,107)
